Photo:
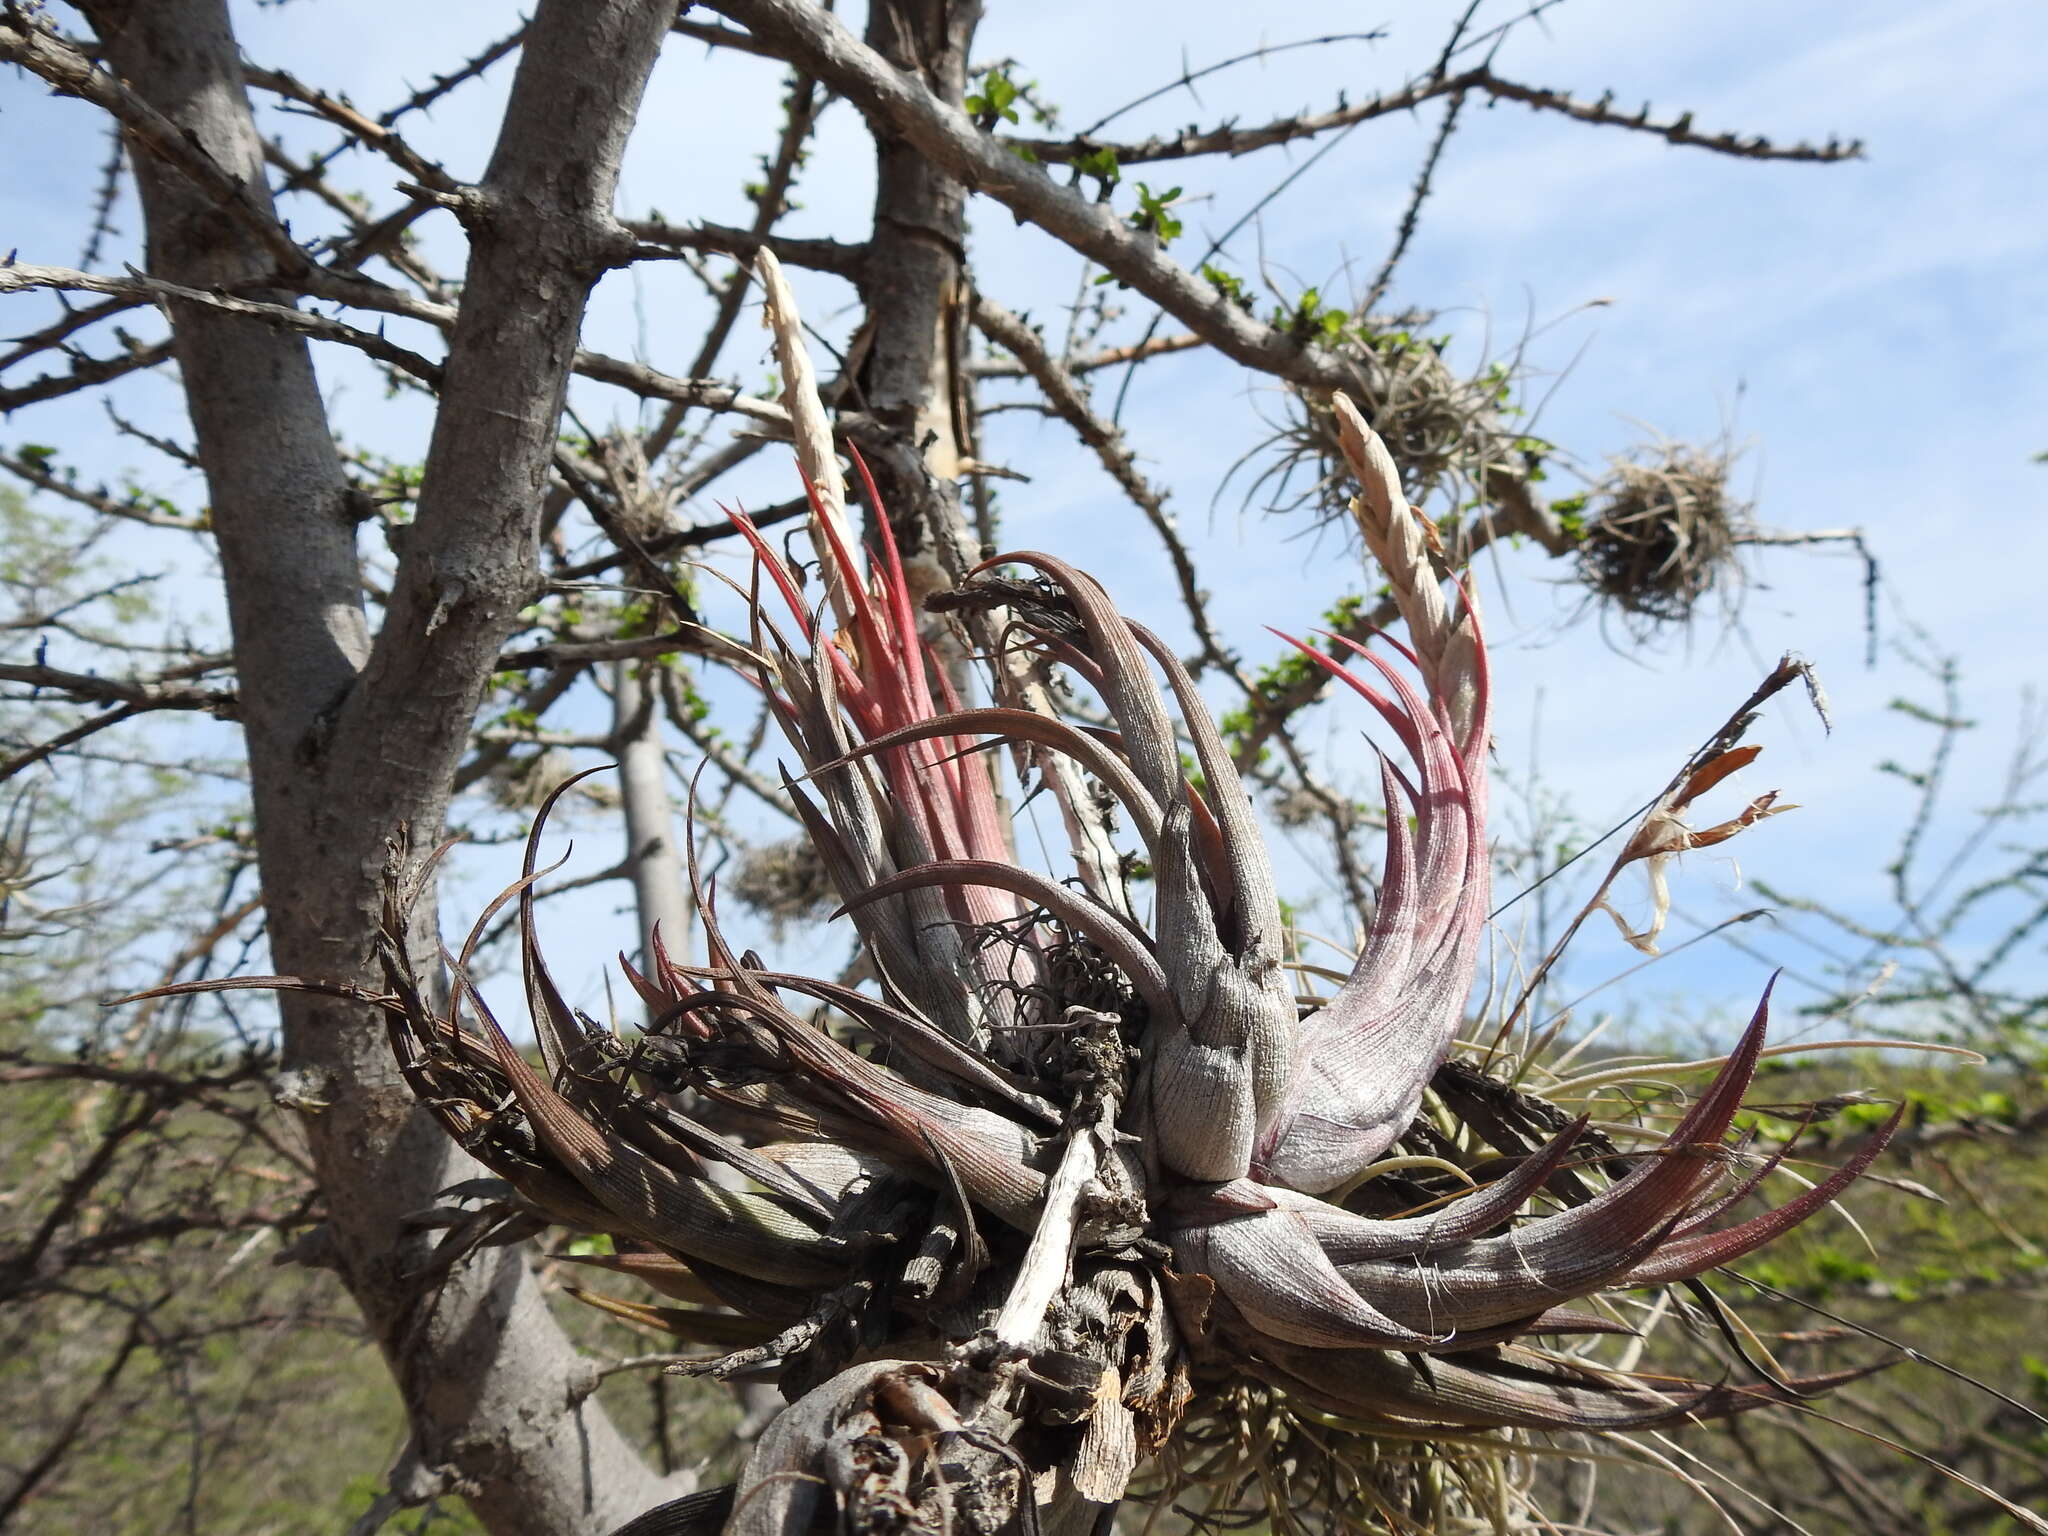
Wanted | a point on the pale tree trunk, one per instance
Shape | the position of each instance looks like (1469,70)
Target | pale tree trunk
(661,898)
(354,741)
(653,855)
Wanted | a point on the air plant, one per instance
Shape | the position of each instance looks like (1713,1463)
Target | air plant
(1066,1193)
(1448,431)
(1663,529)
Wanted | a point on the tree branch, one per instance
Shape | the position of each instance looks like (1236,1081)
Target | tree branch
(636,378)
(1107,357)
(20,279)
(1232,140)
(98,501)
(149,693)
(85,373)
(838,257)
(71,73)
(1070,401)
(897,103)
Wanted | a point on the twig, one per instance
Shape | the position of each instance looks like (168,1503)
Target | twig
(1044,1269)
(576,653)
(18,279)
(1187,77)
(1411,216)
(85,373)
(68,324)
(104,199)
(838,257)
(1107,357)
(1070,401)
(421,99)
(98,501)
(148,693)
(72,73)
(1229,140)
(360,128)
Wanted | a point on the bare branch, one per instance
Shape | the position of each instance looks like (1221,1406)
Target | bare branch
(360,128)
(18,279)
(577,653)
(1232,140)
(426,96)
(723,37)
(1185,81)
(11,766)
(72,73)
(1107,357)
(637,378)
(148,693)
(69,323)
(134,511)
(1411,216)
(834,256)
(1070,401)
(85,373)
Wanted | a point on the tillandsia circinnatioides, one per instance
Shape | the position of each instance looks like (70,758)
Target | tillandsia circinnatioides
(1053,1183)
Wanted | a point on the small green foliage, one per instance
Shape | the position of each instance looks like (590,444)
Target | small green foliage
(994,102)
(1346,613)
(1154,215)
(1291,671)
(1229,284)
(1570,512)
(1926,716)
(695,707)
(1499,381)
(1101,164)
(1311,321)
(441,1517)
(636,618)
(1235,727)
(997,96)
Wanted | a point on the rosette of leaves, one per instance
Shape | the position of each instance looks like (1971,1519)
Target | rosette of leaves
(1079,1194)
(1660,531)
(1446,429)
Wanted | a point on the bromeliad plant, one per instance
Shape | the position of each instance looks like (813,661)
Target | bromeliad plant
(1063,1178)
(1065,1193)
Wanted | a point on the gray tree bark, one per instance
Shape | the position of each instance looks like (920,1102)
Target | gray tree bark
(354,741)
(661,892)
(914,382)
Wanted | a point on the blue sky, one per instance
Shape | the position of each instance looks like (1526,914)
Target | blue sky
(1872,331)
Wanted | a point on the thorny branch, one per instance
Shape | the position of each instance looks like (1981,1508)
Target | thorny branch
(1232,140)
(1069,400)
(72,72)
